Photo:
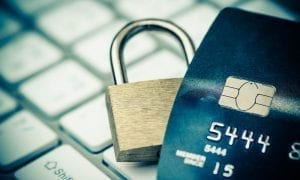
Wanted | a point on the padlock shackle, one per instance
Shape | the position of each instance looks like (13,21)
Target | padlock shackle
(135,27)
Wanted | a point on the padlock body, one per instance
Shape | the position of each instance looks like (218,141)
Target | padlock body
(138,114)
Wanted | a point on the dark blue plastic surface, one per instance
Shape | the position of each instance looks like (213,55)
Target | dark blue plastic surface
(257,48)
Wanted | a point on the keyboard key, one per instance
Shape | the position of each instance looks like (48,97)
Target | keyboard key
(95,49)
(160,65)
(89,125)
(7,103)
(225,3)
(31,6)
(197,21)
(23,137)
(63,163)
(26,55)
(267,7)
(60,88)
(137,9)
(129,170)
(74,19)
(8,26)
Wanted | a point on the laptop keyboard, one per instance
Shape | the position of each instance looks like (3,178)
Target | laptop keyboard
(54,69)
(35,138)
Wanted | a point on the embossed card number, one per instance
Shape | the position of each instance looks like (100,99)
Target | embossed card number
(231,132)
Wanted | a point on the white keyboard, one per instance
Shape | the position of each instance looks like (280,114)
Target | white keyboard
(34,54)
(7,103)
(23,137)
(9,25)
(88,48)
(70,21)
(54,70)
(62,163)
(60,88)
(89,125)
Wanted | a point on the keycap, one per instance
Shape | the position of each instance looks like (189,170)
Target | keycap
(63,163)
(137,9)
(26,55)
(31,6)
(197,20)
(89,125)
(157,66)
(226,3)
(23,137)
(74,19)
(267,7)
(60,88)
(7,103)
(89,48)
(9,25)
(130,170)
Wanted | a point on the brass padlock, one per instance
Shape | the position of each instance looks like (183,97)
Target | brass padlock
(138,112)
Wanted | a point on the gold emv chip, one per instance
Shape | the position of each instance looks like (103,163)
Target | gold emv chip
(247,96)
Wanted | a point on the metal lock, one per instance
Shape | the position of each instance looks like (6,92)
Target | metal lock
(138,112)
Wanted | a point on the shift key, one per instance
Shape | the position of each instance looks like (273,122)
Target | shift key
(63,163)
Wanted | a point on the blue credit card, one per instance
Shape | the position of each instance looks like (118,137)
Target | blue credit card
(237,112)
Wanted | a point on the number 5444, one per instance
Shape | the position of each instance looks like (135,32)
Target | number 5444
(216,134)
